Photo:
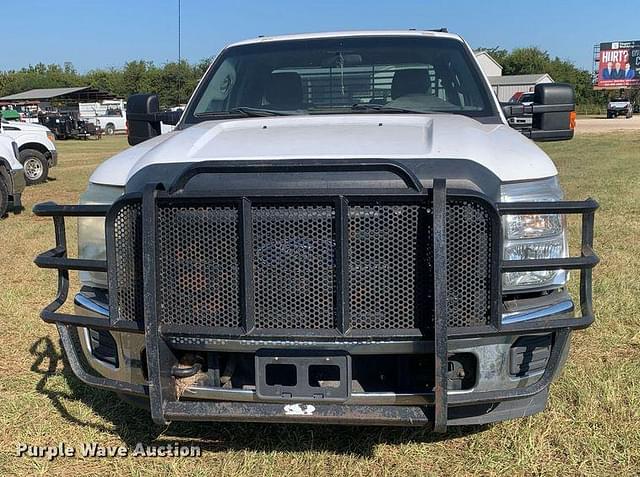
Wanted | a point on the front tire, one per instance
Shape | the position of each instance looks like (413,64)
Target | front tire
(110,129)
(36,166)
(4,197)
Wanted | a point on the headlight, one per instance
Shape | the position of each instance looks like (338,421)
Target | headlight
(50,136)
(91,236)
(528,237)
(533,226)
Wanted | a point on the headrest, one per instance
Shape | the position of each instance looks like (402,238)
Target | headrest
(284,91)
(414,81)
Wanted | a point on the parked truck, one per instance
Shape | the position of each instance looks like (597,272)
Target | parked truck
(619,107)
(109,115)
(36,148)
(342,228)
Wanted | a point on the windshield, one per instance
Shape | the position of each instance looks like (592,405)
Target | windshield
(342,75)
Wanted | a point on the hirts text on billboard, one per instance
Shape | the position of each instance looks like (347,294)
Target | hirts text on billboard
(619,64)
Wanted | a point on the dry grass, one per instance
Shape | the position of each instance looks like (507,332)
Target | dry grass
(591,427)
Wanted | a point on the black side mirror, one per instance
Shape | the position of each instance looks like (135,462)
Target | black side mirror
(552,111)
(144,117)
(555,120)
(141,121)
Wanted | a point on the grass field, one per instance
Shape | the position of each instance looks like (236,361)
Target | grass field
(591,426)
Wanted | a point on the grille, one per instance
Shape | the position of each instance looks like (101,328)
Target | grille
(468,264)
(199,279)
(127,229)
(294,278)
(388,259)
(293,265)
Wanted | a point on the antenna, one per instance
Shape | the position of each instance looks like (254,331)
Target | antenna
(179,49)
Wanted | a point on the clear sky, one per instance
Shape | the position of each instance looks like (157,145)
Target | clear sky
(93,34)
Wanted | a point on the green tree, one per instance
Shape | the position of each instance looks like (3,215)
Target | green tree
(533,60)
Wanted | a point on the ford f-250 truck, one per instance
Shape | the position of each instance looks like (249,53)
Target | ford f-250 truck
(342,228)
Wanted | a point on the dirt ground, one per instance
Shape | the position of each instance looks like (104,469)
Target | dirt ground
(596,125)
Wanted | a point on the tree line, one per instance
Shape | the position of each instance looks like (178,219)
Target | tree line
(533,60)
(174,81)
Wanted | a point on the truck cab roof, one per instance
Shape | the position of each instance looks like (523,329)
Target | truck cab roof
(348,33)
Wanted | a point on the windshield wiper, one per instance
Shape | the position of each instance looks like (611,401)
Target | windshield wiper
(259,112)
(242,111)
(382,108)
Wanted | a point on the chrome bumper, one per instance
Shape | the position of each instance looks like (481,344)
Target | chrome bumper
(491,351)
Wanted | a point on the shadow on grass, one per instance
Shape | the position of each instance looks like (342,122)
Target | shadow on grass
(133,425)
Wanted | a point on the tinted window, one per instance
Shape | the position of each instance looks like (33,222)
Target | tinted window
(326,76)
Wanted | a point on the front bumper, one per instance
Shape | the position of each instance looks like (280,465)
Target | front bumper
(466,407)
(437,405)
(53,158)
(18,184)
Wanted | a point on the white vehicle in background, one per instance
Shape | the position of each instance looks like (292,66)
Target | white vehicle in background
(11,175)
(36,148)
(110,115)
(619,107)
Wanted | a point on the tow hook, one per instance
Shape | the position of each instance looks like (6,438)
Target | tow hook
(181,370)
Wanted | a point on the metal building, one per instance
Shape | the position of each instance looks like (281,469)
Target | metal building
(506,86)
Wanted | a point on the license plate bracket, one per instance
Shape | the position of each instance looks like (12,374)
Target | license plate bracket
(284,375)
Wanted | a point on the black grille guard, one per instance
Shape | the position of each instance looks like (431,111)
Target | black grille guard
(164,404)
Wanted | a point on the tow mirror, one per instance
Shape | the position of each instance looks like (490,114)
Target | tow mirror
(553,112)
(144,117)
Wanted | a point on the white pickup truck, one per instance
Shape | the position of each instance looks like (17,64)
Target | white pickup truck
(619,107)
(342,228)
(37,149)
(109,115)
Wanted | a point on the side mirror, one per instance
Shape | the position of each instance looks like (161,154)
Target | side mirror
(553,112)
(555,120)
(144,117)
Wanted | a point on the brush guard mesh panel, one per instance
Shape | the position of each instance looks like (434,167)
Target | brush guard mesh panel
(294,269)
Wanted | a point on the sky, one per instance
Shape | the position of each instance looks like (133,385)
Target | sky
(100,34)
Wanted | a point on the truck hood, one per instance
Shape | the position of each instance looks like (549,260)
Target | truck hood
(499,148)
(27,127)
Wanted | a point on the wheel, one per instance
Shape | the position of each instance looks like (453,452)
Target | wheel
(110,129)
(4,197)
(609,114)
(36,166)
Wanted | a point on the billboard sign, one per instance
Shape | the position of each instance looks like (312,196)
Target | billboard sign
(619,65)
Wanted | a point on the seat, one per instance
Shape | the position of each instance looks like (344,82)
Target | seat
(412,81)
(284,91)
